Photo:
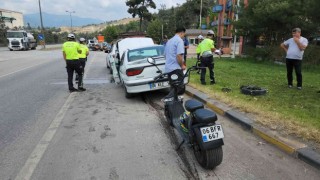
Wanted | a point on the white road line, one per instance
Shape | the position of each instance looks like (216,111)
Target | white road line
(35,157)
(22,69)
(88,67)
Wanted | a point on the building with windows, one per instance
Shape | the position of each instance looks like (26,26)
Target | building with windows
(11,18)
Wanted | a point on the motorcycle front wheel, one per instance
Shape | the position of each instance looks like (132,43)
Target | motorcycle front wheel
(208,159)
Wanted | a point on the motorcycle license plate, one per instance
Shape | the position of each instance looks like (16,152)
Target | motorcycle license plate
(212,133)
(158,84)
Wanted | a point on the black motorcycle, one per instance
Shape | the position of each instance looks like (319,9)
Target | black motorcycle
(195,124)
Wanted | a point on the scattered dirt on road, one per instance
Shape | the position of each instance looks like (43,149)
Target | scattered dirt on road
(189,170)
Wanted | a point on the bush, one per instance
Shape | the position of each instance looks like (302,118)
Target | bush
(259,52)
(276,53)
(311,55)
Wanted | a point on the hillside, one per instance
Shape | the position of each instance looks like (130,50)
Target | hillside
(96,27)
(53,20)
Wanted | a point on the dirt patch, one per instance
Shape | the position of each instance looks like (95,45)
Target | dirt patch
(190,172)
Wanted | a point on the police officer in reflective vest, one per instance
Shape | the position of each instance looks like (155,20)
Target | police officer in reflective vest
(83,56)
(198,50)
(71,50)
(206,57)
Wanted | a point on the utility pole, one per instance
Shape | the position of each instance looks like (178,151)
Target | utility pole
(161,32)
(70,12)
(42,32)
(235,36)
(200,12)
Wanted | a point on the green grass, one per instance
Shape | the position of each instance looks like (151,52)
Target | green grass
(291,110)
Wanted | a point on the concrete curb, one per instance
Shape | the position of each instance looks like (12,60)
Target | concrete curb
(294,148)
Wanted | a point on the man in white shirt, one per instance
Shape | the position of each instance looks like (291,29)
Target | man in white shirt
(294,48)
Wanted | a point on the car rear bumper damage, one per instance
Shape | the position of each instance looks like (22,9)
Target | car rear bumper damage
(138,87)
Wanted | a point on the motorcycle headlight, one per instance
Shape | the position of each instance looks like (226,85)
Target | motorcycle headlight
(174,77)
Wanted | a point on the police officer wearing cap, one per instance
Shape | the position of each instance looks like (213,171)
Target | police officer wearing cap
(83,56)
(207,48)
(70,51)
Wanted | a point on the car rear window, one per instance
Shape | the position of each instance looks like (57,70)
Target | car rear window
(142,53)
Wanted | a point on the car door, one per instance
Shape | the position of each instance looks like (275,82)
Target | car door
(110,56)
(122,67)
(115,64)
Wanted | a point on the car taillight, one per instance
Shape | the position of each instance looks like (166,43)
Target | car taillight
(134,71)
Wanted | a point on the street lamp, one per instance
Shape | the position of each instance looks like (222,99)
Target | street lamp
(44,43)
(70,12)
(162,26)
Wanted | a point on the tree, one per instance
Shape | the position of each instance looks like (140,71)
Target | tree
(132,26)
(274,19)
(140,8)
(110,33)
(154,30)
(3,29)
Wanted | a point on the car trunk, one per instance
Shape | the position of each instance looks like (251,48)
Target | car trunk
(149,71)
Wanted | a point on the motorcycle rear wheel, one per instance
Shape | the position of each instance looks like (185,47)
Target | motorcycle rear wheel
(209,159)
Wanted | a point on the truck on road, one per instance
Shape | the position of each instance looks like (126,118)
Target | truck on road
(20,40)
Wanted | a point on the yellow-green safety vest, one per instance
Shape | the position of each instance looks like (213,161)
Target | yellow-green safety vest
(198,50)
(71,49)
(206,45)
(84,50)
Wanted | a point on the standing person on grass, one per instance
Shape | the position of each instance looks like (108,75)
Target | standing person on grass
(206,52)
(198,51)
(294,48)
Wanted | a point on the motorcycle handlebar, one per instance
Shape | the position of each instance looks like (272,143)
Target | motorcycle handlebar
(161,75)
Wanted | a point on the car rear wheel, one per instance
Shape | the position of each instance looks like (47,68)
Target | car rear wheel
(128,95)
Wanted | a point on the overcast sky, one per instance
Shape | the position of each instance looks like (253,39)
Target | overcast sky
(105,10)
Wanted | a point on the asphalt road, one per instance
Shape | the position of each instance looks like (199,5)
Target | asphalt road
(48,133)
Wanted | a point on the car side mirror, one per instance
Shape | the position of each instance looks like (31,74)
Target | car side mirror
(151,60)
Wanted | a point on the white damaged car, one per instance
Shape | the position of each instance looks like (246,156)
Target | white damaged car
(136,74)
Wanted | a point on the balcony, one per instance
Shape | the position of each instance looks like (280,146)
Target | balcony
(203,26)
(228,6)
(214,23)
(217,8)
(226,22)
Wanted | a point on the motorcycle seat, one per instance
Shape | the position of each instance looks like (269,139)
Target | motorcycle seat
(192,105)
(204,116)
